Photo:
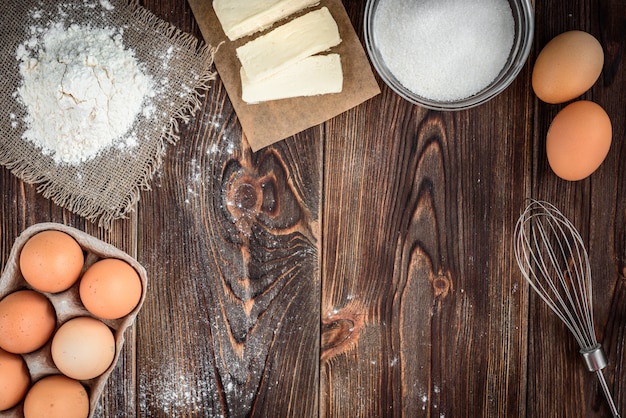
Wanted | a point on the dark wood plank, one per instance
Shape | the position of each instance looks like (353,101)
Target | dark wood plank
(419,212)
(415,228)
(231,327)
(596,207)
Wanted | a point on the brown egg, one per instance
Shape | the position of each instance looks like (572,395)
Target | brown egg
(27,320)
(56,396)
(578,140)
(51,261)
(110,288)
(83,348)
(14,379)
(567,67)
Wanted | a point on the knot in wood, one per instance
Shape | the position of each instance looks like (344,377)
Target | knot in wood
(244,197)
(441,286)
(336,333)
(340,331)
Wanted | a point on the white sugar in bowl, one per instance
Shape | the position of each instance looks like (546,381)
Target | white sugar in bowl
(448,54)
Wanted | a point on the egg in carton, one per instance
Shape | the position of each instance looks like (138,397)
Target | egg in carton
(68,305)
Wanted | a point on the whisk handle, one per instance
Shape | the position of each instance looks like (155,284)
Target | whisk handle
(607,394)
(595,360)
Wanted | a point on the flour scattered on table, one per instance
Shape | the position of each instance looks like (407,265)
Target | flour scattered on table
(165,391)
(83,91)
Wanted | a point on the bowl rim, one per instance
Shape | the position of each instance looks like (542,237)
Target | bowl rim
(518,57)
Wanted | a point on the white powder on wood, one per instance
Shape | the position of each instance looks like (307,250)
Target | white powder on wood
(82,90)
(444,49)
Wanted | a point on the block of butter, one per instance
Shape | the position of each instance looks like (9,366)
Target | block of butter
(241,18)
(315,75)
(300,38)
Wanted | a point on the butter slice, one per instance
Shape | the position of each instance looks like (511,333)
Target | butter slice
(302,37)
(241,18)
(312,76)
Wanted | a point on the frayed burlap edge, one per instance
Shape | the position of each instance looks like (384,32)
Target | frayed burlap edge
(103,216)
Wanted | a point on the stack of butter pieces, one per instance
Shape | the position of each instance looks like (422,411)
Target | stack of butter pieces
(283,63)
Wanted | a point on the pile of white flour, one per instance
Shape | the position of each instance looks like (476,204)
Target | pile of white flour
(82,89)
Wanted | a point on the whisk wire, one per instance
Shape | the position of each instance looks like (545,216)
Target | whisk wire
(571,274)
(566,304)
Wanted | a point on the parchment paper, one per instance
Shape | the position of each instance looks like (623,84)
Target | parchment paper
(266,123)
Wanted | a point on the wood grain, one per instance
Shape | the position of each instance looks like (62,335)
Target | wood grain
(427,270)
(363,268)
(243,281)
(595,206)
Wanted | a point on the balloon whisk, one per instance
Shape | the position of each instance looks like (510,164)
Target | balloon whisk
(552,257)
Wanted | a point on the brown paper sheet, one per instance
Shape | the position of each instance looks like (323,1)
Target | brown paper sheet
(270,122)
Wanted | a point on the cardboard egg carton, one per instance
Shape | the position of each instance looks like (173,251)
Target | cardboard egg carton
(67,305)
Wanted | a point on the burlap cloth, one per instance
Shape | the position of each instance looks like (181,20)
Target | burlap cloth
(107,187)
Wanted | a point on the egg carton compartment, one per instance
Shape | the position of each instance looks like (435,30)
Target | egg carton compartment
(67,305)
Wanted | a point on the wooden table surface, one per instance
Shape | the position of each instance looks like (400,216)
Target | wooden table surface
(363,268)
